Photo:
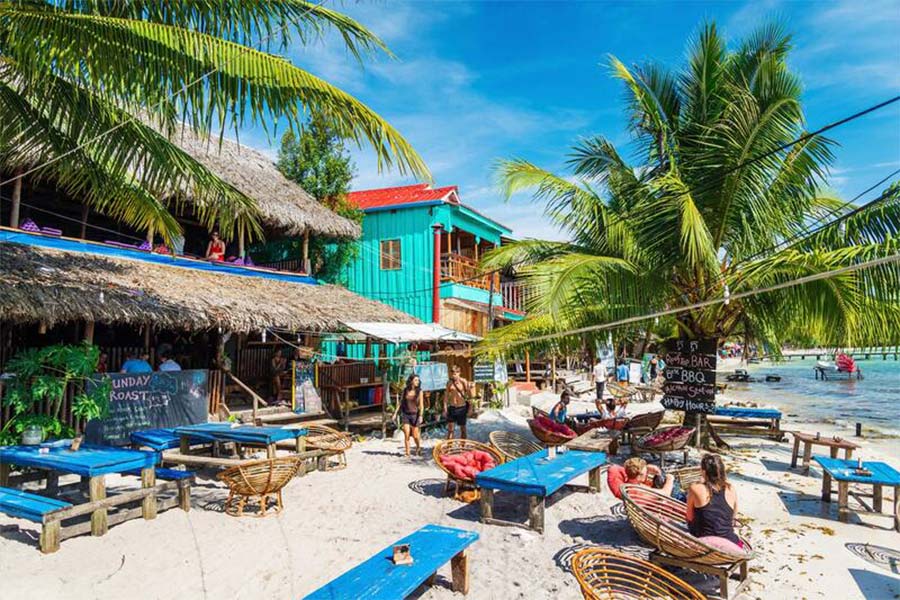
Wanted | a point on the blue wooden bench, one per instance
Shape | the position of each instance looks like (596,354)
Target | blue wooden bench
(747,421)
(36,509)
(183,478)
(380,579)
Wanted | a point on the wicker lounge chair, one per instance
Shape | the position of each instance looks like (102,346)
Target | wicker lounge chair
(259,479)
(661,522)
(608,575)
(332,441)
(547,437)
(641,424)
(511,445)
(457,446)
(685,476)
(674,444)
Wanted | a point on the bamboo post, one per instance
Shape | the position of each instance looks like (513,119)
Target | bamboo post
(147,337)
(307,267)
(85,212)
(241,251)
(527,367)
(150,231)
(16,200)
(89,332)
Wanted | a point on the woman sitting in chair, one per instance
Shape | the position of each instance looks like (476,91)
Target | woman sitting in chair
(712,503)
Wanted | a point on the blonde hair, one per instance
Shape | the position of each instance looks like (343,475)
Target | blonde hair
(634,466)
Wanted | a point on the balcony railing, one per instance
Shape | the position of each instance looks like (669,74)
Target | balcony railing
(461,269)
(513,296)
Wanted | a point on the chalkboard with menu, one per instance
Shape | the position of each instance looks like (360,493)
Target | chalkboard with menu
(690,375)
(149,401)
(484,372)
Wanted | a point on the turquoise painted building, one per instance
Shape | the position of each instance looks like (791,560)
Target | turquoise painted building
(418,239)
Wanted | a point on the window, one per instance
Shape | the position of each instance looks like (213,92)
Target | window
(390,255)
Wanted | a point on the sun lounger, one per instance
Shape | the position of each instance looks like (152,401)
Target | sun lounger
(378,578)
(661,522)
(738,420)
(36,509)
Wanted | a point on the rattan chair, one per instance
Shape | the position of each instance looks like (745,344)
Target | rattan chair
(261,479)
(641,424)
(458,446)
(608,575)
(685,476)
(675,444)
(547,437)
(661,521)
(511,445)
(332,441)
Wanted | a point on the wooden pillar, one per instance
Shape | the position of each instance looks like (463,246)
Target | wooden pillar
(85,212)
(527,367)
(241,242)
(450,241)
(147,337)
(436,274)
(89,332)
(16,200)
(307,268)
(150,231)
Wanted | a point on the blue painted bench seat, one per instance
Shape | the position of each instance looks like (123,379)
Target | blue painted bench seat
(24,505)
(164,439)
(380,579)
(742,412)
(163,473)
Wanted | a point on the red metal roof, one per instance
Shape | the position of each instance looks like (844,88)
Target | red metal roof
(398,196)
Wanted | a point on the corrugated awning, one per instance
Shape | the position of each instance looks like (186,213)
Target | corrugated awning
(408,333)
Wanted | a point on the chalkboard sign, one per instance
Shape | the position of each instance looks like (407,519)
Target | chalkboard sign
(149,401)
(690,374)
(484,372)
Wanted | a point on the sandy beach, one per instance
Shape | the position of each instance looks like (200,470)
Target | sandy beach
(334,520)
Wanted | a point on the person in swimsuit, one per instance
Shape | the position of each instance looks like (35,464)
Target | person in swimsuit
(712,503)
(561,410)
(412,410)
(456,403)
(215,249)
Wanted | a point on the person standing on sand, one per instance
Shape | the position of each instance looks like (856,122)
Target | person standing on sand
(412,410)
(456,403)
(599,377)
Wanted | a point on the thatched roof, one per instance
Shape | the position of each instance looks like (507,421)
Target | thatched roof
(51,285)
(285,206)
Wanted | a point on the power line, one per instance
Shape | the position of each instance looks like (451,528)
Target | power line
(183,89)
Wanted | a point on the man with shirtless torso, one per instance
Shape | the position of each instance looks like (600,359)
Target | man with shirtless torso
(456,402)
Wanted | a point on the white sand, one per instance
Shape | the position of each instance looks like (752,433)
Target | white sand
(335,520)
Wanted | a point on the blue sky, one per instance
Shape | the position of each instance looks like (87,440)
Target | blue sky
(474,82)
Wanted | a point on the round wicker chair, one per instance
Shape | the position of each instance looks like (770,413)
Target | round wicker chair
(321,437)
(511,445)
(259,479)
(660,521)
(608,575)
(674,444)
(549,438)
(458,446)
(642,424)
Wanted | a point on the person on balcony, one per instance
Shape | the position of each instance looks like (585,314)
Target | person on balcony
(215,249)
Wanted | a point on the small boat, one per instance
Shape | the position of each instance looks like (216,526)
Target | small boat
(826,365)
(740,375)
(773,378)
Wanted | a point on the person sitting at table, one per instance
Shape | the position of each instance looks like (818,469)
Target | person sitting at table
(612,409)
(136,363)
(712,503)
(166,363)
(636,471)
(561,408)
(278,368)
(215,249)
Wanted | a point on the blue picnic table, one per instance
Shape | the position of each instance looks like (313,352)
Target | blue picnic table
(538,476)
(844,473)
(244,435)
(742,412)
(93,463)
(378,578)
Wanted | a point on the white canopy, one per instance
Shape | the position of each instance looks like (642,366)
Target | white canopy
(407,333)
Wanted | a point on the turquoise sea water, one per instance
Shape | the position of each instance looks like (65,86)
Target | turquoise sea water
(873,401)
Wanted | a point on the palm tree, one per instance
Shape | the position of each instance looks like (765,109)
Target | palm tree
(72,70)
(717,200)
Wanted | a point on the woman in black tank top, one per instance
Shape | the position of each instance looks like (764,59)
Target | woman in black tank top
(411,407)
(709,512)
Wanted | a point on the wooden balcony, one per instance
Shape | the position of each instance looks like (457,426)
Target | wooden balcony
(513,296)
(464,270)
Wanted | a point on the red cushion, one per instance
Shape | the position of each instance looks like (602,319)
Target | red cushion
(615,477)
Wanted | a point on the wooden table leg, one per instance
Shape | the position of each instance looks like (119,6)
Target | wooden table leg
(4,474)
(52,483)
(99,522)
(843,501)
(848,453)
(459,569)
(834,451)
(536,513)
(184,444)
(826,486)
(795,453)
(301,443)
(897,508)
(877,497)
(487,504)
(270,451)
(148,504)
(594,480)
(807,455)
